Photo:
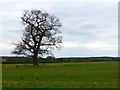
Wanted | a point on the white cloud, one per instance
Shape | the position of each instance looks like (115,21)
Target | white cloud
(4,46)
(70,44)
(98,46)
(86,25)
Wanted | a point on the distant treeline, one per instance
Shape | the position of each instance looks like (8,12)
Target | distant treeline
(25,60)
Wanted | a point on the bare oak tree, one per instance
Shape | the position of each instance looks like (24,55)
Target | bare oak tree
(40,35)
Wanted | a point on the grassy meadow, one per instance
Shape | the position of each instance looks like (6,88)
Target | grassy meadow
(61,75)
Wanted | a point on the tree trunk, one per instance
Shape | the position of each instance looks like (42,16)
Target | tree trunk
(35,61)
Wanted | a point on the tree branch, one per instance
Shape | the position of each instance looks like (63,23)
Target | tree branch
(27,44)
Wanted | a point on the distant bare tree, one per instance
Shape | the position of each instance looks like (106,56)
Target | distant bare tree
(40,35)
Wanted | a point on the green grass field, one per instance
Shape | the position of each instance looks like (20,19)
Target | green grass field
(61,75)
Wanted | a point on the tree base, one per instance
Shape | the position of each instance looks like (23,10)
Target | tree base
(35,64)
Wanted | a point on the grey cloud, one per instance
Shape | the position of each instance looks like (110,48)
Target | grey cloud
(88,26)
(82,23)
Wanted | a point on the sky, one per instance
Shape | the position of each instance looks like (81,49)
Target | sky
(89,27)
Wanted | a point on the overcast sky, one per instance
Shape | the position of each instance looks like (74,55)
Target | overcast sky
(90,28)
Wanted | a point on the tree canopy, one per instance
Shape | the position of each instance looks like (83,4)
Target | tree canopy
(41,33)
